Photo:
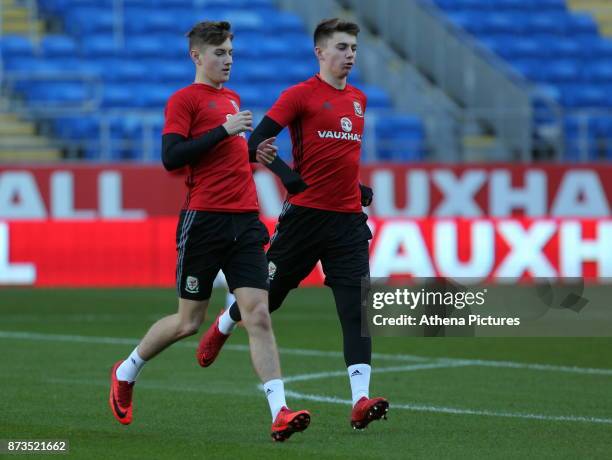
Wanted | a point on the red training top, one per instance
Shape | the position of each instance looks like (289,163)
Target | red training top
(326,126)
(222,179)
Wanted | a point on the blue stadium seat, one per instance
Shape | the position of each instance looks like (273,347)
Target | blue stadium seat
(15,46)
(400,137)
(271,92)
(574,125)
(151,22)
(62,7)
(250,96)
(563,71)
(258,72)
(151,95)
(58,93)
(175,46)
(301,44)
(531,69)
(35,67)
(561,47)
(542,111)
(117,95)
(596,48)
(276,48)
(462,5)
(558,48)
(248,46)
(500,23)
(546,23)
(87,69)
(399,124)
(511,47)
(239,4)
(590,132)
(23,73)
(285,22)
(581,24)
(144,47)
(513,5)
(151,62)
(80,21)
(575,96)
(602,125)
(598,72)
(469,21)
(377,98)
(549,5)
(294,71)
(99,46)
(172,4)
(283,140)
(127,70)
(58,45)
(76,127)
(241,20)
(178,73)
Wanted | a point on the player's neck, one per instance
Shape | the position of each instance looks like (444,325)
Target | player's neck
(338,83)
(202,79)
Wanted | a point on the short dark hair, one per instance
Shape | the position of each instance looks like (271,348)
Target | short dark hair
(326,28)
(209,33)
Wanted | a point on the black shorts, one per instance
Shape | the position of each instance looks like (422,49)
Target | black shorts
(211,241)
(304,236)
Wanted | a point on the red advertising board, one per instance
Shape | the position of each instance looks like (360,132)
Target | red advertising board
(114,225)
(415,191)
(142,253)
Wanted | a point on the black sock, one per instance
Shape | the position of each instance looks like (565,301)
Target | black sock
(357,349)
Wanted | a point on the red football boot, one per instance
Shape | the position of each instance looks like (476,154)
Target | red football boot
(367,410)
(120,399)
(210,344)
(288,422)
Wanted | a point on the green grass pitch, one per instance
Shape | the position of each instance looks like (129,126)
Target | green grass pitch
(450,398)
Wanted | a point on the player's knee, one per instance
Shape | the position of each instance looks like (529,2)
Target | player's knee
(258,317)
(188,328)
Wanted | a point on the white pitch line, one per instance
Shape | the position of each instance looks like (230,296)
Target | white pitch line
(456,411)
(530,366)
(446,362)
(35,336)
(377,370)
(333,400)
(18,335)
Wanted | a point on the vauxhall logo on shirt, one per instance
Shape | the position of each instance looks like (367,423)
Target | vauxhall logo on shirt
(347,126)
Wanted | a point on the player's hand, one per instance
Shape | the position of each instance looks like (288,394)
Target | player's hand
(266,151)
(294,183)
(366,195)
(239,123)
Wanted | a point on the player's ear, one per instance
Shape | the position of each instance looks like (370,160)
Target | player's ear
(195,57)
(318,52)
